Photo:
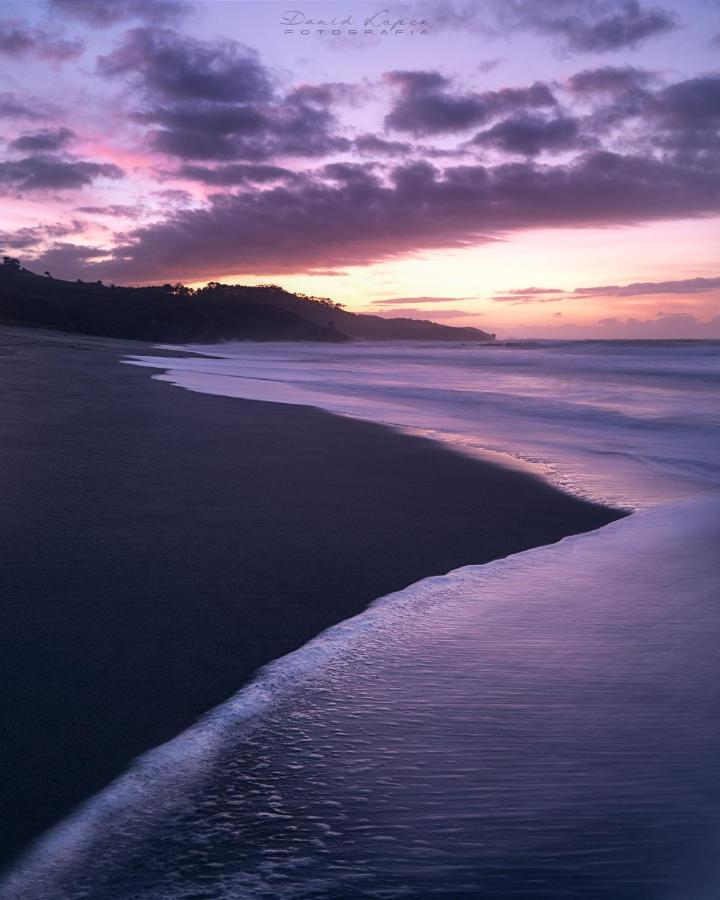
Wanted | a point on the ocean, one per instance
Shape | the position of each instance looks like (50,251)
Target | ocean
(543,726)
(628,423)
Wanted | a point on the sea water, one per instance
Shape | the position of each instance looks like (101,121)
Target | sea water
(624,422)
(544,726)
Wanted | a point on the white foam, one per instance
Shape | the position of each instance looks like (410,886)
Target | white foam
(351,381)
(160,781)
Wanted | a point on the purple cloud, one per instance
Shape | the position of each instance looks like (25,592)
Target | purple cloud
(680,287)
(689,106)
(637,289)
(104,13)
(372,145)
(693,102)
(524,292)
(14,107)
(169,65)
(396,301)
(681,119)
(53,173)
(44,141)
(417,82)
(529,295)
(359,217)
(31,235)
(235,173)
(587,26)
(18,38)
(489,65)
(426,107)
(117,210)
(424,314)
(253,133)
(531,135)
(677,326)
(214,100)
(610,80)
(66,259)
(215,108)
(328,93)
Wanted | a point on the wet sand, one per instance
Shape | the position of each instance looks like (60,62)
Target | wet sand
(158,546)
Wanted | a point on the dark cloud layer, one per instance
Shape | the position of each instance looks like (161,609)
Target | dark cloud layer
(640,288)
(584,26)
(372,145)
(103,13)
(173,66)
(426,106)
(44,141)
(676,326)
(680,287)
(694,103)
(31,235)
(18,39)
(34,173)
(530,295)
(403,312)
(214,100)
(245,133)
(66,260)
(623,147)
(359,218)
(609,80)
(681,119)
(235,174)
(396,301)
(599,26)
(116,210)
(12,106)
(530,291)
(531,135)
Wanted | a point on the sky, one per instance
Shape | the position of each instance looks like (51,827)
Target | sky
(537,169)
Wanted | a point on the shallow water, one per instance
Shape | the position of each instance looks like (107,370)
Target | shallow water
(626,423)
(544,726)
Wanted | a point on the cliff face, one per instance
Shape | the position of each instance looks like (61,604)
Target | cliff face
(218,312)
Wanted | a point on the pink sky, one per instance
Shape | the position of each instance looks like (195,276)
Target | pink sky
(533,169)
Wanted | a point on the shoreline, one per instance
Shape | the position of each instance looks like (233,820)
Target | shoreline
(146,830)
(164,545)
(173,769)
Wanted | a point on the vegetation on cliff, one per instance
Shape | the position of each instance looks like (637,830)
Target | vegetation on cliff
(216,312)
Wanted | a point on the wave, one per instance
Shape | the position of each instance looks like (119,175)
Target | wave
(142,835)
(223,811)
(165,774)
(630,425)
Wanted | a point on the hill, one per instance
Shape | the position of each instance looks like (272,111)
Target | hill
(177,314)
(163,313)
(324,312)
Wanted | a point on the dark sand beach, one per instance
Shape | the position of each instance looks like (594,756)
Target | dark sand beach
(158,546)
